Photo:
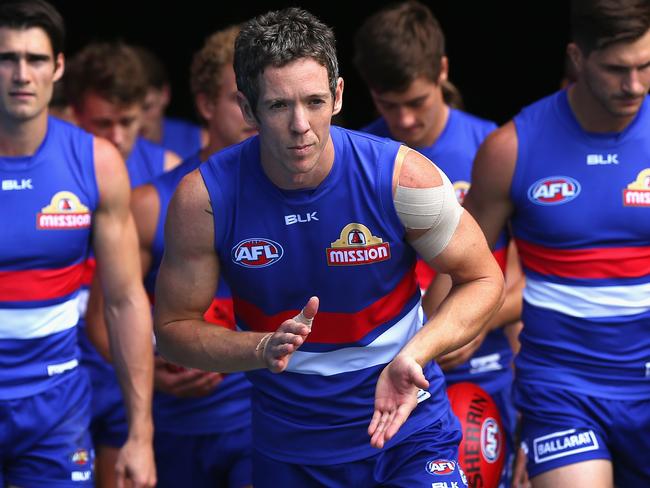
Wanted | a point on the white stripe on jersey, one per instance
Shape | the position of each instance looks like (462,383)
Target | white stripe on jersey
(380,351)
(588,301)
(32,323)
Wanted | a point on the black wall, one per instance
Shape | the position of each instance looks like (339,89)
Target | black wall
(503,54)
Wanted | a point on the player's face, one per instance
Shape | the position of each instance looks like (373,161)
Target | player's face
(618,76)
(120,124)
(294,114)
(153,110)
(28,70)
(412,115)
(226,122)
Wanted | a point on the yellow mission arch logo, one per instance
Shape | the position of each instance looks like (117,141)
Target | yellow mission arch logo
(65,211)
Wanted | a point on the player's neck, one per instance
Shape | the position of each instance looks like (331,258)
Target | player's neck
(22,138)
(592,115)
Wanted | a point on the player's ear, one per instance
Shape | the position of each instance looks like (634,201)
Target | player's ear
(338,96)
(246,110)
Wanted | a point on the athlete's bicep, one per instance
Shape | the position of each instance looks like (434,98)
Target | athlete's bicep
(189,271)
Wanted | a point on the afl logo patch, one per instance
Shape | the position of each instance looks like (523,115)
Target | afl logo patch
(441,466)
(553,190)
(490,440)
(257,253)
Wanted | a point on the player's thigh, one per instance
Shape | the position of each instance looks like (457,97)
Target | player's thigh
(596,473)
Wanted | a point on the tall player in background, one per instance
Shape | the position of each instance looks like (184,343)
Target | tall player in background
(181,136)
(207,415)
(570,172)
(106,85)
(64,193)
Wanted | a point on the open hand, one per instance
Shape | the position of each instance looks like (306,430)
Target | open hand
(395,398)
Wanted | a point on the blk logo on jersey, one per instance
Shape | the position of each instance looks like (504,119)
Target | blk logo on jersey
(65,211)
(637,193)
(461,188)
(440,467)
(356,245)
(553,190)
(257,253)
(23,184)
(598,159)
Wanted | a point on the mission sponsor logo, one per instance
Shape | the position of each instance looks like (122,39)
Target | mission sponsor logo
(355,246)
(461,188)
(65,211)
(565,443)
(553,190)
(637,193)
(257,253)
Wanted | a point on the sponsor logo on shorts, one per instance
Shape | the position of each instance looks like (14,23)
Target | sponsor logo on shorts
(257,253)
(461,188)
(444,484)
(440,467)
(553,190)
(355,246)
(491,440)
(637,193)
(54,369)
(564,443)
(65,211)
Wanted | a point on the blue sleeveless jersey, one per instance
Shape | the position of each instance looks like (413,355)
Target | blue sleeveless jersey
(582,225)
(228,407)
(146,161)
(344,243)
(454,152)
(181,136)
(47,203)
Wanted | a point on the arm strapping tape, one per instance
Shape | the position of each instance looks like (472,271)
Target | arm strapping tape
(435,209)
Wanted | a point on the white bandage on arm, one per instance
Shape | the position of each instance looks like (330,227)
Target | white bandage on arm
(435,209)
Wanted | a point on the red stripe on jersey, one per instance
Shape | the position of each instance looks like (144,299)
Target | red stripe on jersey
(501,256)
(221,312)
(40,284)
(621,262)
(333,327)
(89,271)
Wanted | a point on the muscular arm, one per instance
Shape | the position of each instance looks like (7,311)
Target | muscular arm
(126,309)
(476,280)
(186,284)
(475,296)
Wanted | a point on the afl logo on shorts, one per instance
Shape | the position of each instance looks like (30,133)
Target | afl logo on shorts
(490,440)
(554,190)
(257,253)
(440,466)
